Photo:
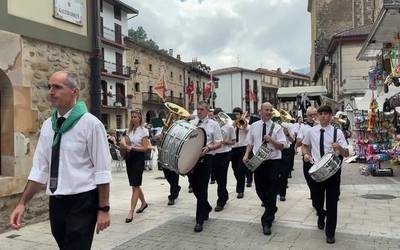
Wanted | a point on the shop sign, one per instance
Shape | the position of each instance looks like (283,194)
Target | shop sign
(69,10)
(348,107)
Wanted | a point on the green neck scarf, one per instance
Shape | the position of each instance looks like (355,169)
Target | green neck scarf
(76,113)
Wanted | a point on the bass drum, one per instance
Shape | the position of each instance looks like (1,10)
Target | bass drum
(328,165)
(181,147)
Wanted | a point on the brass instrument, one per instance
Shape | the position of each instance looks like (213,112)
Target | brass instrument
(241,123)
(285,116)
(175,113)
(222,119)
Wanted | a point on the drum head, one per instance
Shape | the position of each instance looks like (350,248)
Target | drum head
(191,150)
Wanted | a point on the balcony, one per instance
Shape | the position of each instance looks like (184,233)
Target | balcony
(113,101)
(112,38)
(177,100)
(151,98)
(115,70)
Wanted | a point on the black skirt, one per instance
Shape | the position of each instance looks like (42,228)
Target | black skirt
(134,168)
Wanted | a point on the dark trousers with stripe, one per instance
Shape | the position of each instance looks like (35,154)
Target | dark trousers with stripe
(198,180)
(73,219)
(266,178)
(220,165)
(173,180)
(328,190)
(239,169)
(307,177)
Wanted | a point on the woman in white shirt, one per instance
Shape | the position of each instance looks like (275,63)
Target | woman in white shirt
(135,159)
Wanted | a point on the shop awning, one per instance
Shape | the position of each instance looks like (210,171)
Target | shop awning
(293,92)
(385,28)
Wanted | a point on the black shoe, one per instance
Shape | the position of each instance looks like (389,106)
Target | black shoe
(190,190)
(140,210)
(212,182)
(330,240)
(262,204)
(282,198)
(290,175)
(198,228)
(171,202)
(206,217)
(218,208)
(248,184)
(240,195)
(128,220)
(321,222)
(267,230)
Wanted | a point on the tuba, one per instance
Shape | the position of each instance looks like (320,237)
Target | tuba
(222,119)
(241,123)
(285,116)
(175,113)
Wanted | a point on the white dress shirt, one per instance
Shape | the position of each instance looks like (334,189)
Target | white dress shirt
(303,131)
(85,159)
(228,134)
(242,137)
(296,128)
(291,134)
(213,131)
(136,137)
(313,136)
(254,137)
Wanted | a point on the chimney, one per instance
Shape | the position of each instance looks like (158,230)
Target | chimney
(171,52)
(178,57)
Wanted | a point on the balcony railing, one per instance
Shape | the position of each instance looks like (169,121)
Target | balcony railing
(151,98)
(110,34)
(116,69)
(176,100)
(111,100)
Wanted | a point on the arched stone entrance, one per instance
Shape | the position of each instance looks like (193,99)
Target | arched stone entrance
(149,115)
(7,125)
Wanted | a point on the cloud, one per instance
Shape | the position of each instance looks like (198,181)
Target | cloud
(225,33)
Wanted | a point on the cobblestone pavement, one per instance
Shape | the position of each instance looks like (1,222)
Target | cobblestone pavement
(362,223)
(227,234)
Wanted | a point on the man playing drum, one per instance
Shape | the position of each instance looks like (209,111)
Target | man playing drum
(266,175)
(200,175)
(319,140)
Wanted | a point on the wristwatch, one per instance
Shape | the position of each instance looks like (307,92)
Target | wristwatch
(104,209)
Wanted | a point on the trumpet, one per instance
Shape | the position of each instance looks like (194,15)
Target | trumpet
(222,119)
(241,123)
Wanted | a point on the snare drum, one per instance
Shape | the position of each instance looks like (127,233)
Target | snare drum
(264,153)
(328,165)
(181,147)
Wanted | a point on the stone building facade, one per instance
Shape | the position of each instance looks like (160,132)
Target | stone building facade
(154,66)
(32,48)
(331,17)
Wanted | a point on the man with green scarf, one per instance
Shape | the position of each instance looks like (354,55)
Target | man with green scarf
(73,160)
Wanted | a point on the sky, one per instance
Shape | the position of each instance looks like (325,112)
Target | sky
(228,33)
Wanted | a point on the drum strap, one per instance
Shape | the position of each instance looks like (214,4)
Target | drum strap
(271,129)
(334,140)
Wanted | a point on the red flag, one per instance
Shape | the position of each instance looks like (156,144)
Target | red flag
(160,88)
(208,88)
(252,96)
(190,91)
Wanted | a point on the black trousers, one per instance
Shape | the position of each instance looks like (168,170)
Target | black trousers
(331,190)
(283,171)
(198,180)
(73,219)
(173,180)
(221,164)
(249,176)
(212,175)
(266,178)
(239,169)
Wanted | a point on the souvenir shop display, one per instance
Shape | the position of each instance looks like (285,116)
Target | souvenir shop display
(375,140)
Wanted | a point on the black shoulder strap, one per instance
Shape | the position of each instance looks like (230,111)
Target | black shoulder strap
(335,134)
(272,129)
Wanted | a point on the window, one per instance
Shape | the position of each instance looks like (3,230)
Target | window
(180,77)
(118,33)
(150,89)
(216,85)
(172,93)
(104,119)
(119,121)
(137,87)
(172,75)
(180,95)
(101,5)
(117,12)
(150,67)
(118,62)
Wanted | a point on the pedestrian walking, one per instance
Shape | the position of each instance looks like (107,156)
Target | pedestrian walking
(73,160)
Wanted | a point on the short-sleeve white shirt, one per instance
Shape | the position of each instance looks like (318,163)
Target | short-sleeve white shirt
(228,134)
(136,136)
(312,138)
(254,137)
(213,131)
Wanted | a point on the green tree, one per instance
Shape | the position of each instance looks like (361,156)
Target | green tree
(138,35)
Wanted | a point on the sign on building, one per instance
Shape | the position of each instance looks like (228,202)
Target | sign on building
(348,107)
(69,10)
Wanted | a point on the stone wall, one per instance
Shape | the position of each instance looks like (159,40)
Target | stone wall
(36,212)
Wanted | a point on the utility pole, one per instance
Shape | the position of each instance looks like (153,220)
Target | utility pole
(95,73)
